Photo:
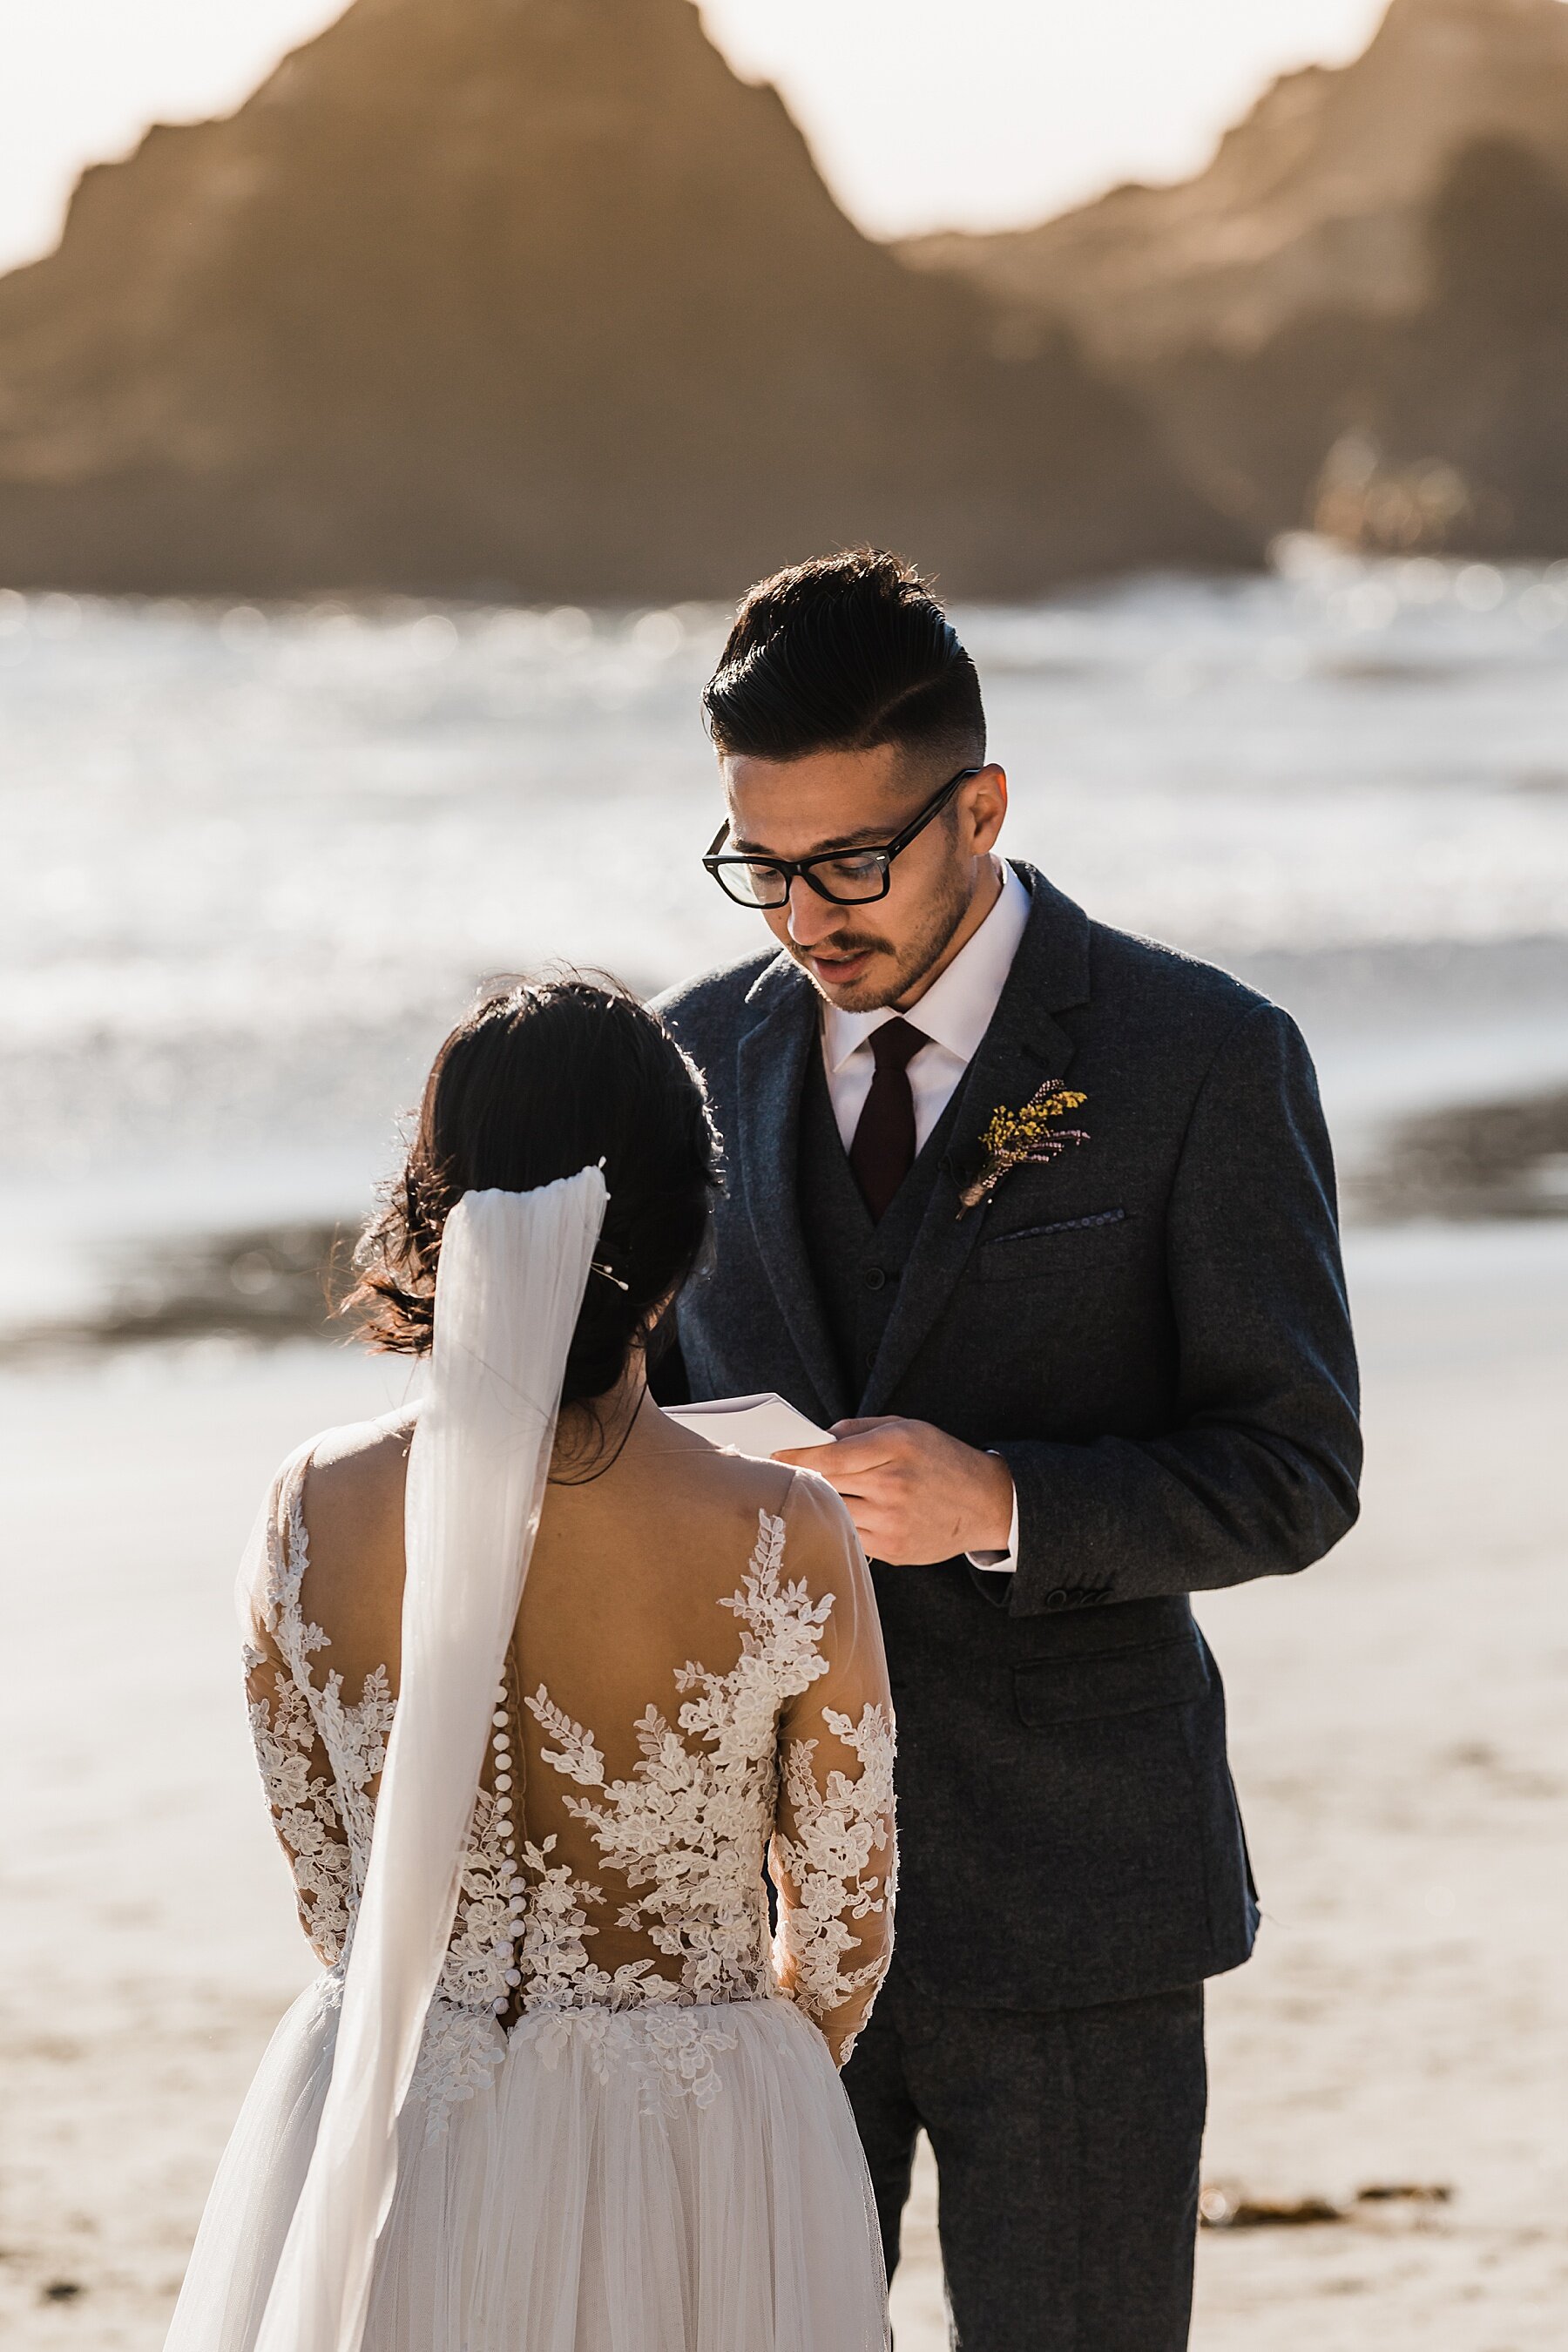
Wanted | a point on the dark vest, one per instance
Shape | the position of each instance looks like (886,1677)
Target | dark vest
(857,1264)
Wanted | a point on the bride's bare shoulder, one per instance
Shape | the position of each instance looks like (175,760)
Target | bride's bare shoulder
(353,1495)
(737,1487)
(347,1486)
(727,1480)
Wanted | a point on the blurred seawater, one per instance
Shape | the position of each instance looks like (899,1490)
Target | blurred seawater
(257,859)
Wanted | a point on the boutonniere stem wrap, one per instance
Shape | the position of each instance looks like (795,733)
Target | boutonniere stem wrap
(1015,1139)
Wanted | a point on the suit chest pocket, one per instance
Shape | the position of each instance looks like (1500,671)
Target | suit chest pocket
(1048,1248)
(1054,1690)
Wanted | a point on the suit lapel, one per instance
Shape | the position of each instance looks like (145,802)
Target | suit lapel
(1022,1048)
(772,1065)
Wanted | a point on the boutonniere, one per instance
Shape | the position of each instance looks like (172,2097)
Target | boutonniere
(1015,1137)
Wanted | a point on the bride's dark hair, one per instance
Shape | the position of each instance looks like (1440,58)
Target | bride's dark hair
(539,1081)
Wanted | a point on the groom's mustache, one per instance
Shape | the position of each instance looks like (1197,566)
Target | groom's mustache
(842,943)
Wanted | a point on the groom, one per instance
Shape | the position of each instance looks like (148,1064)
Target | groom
(1040,1219)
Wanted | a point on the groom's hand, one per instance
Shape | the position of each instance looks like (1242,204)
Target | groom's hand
(914,1494)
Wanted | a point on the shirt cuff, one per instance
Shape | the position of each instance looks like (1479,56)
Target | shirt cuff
(1001,1563)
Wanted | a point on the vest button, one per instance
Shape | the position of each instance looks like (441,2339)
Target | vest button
(1057,1599)
(875,1279)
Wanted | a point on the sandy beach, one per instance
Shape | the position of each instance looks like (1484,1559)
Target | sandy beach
(1400,1745)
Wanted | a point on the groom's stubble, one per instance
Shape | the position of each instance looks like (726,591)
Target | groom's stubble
(943,885)
(903,970)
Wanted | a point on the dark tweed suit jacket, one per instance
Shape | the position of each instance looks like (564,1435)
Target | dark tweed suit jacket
(1152,1330)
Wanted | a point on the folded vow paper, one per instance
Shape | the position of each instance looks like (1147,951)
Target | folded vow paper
(760,1425)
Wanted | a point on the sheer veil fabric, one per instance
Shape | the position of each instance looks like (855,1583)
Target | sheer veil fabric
(514,1266)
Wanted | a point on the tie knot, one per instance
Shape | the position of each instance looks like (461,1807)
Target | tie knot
(895,1045)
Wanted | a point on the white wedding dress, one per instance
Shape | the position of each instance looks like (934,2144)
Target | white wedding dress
(624,2131)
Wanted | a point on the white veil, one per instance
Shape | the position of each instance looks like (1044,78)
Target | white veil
(513,1269)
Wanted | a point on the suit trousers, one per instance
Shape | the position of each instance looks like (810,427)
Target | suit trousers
(1067,2143)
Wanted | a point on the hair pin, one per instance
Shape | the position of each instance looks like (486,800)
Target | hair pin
(597,1268)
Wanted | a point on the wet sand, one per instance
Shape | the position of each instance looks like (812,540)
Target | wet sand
(1400,1744)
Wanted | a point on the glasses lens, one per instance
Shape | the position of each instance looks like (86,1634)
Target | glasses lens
(850,881)
(754,885)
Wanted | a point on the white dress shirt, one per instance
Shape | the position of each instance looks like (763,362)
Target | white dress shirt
(954,1014)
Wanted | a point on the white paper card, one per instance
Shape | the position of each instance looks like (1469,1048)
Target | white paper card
(758,1425)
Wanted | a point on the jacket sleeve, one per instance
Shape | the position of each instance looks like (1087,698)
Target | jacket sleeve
(1257,1473)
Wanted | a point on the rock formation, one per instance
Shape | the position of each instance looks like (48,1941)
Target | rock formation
(533,296)
(1358,315)
(1442,428)
(1317,199)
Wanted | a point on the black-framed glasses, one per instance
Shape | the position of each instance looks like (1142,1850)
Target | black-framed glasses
(845,878)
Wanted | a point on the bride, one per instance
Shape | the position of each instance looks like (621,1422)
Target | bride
(539,1680)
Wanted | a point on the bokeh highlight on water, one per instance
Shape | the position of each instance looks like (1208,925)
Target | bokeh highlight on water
(257,860)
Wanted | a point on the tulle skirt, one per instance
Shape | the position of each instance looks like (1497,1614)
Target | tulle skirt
(649,2181)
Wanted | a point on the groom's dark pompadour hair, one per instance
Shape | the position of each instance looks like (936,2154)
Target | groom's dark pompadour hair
(843,654)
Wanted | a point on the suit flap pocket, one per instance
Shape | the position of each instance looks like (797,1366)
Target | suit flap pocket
(1112,1681)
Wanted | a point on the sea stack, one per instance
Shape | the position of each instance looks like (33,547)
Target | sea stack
(534,298)
(1357,316)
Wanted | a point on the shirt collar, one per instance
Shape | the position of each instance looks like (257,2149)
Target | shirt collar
(956,1010)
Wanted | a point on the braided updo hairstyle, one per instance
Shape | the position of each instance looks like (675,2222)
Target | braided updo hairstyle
(537,1083)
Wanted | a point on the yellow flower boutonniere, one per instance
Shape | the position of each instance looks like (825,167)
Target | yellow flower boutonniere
(1015,1136)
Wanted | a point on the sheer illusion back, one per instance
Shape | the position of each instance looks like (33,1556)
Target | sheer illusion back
(696,1680)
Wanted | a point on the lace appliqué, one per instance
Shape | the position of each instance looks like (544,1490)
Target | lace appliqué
(325,1824)
(828,1861)
(684,1831)
(464,2041)
(689,1821)
(672,2050)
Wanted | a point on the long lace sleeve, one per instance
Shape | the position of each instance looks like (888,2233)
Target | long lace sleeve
(296,1769)
(833,1853)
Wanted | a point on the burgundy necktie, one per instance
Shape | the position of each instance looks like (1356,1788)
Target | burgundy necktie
(884,1147)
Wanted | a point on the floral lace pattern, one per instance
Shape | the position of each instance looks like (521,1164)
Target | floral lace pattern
(323,1819)
(685,1833)
(828,1862)
(690,1821)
